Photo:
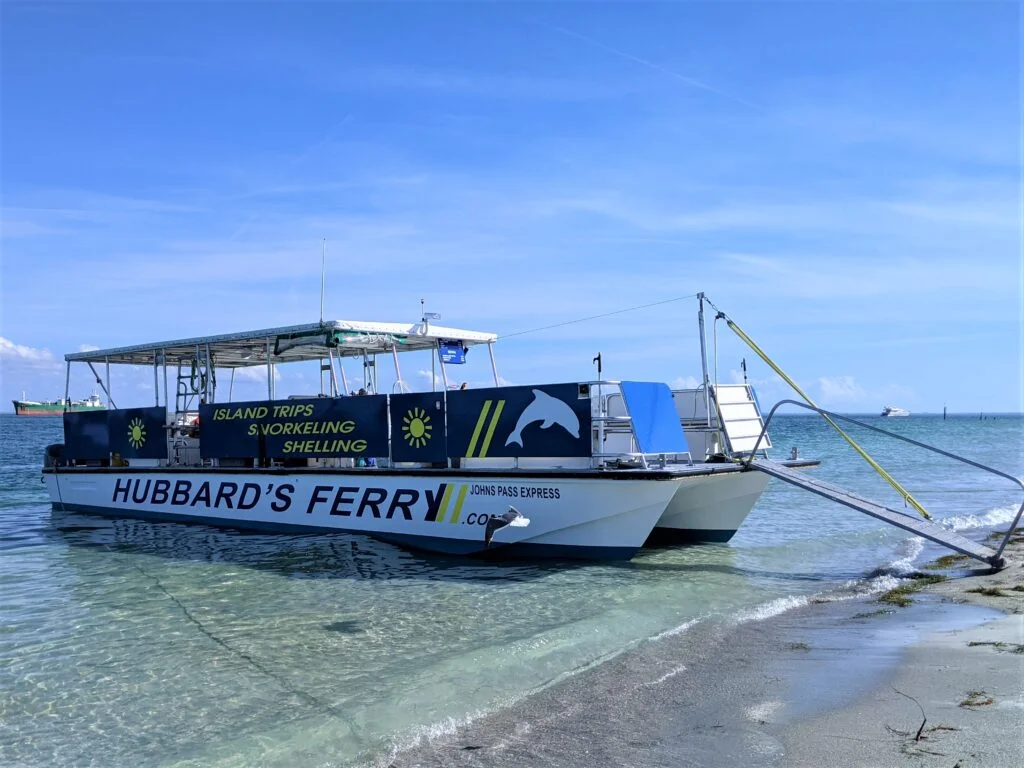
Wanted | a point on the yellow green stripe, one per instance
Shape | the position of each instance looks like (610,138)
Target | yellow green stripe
(444,503)
(490,429)
(479,426)
(458,502)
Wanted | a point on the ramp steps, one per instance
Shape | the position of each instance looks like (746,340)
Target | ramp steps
(924,528)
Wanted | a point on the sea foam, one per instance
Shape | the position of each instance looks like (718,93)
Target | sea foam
(997,516)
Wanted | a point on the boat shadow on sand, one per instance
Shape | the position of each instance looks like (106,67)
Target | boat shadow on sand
(358,557)
(298,556)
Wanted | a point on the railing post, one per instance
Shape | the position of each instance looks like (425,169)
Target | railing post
(704,357)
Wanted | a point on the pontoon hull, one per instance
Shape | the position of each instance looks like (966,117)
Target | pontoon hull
(575,517)
(708,509)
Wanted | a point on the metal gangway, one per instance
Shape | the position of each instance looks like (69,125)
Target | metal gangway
(920,527)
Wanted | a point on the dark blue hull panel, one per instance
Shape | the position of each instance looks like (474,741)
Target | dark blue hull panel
(673,537)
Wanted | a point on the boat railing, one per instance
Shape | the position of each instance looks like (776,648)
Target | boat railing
(933,449)
(644,460)
(605,423)
(608,436)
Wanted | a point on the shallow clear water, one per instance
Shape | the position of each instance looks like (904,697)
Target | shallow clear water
(132,643)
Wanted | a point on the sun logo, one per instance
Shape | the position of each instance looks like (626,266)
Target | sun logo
(136,433)
(416,427)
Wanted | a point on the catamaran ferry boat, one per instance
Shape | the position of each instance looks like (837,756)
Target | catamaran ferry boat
(585,469)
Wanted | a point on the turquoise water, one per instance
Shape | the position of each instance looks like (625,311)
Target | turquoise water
(126,643)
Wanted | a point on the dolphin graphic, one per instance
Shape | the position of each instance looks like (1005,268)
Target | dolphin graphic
(547,410)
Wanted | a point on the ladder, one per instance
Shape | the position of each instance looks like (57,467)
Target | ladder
(740,417)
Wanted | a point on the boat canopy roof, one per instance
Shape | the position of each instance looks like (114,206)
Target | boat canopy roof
(295,343)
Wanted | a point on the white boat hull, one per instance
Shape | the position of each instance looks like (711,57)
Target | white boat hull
(710,508)
(570,516)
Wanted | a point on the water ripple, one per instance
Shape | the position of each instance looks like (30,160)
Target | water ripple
(131,643)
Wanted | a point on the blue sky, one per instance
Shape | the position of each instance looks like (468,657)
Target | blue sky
(842,178)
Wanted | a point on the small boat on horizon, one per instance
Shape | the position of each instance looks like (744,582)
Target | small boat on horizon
(892,410)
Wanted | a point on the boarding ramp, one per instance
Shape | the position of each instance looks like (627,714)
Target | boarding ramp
(924,528)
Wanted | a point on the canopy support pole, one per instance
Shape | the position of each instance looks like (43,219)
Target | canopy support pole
(334,375)
(444,373)
(102,385)
(167,397)
(270,374)
(398,370)
(210,388)
(704,357)
(494,366)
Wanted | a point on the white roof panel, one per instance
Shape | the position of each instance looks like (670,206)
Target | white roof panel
(346,338)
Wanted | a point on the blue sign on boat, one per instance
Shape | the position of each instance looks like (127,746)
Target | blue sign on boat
(86,437)
(451,352)
(138,433)
(551,420)
(417,427)
(132,433)
(297,429)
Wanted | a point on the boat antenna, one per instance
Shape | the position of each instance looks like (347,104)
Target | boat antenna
(598,361)
(323,270)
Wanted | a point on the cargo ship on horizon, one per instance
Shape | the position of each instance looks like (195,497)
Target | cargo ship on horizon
(56,407)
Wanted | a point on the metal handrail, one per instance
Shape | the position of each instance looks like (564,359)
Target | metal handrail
(635,454)
(932,448)
(661,457)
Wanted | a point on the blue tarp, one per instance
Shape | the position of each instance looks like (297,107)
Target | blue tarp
(655,421)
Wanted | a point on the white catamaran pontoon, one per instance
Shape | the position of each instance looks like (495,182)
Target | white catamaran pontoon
(591,469)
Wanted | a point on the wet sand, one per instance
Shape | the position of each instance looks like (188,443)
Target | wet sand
(845,683)
(964,686)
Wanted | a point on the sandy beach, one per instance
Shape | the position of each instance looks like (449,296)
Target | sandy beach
(956,697)
(931,675)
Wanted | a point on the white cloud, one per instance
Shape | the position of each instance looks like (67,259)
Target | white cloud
(896,394)
(838,392)
(257,374)
(11,351)
(685,382)
(426,376)
(840,389)
(21,228)
(454,382)
(476,83)
(87,347)
(812,276)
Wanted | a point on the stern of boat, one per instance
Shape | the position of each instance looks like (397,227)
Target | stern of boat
(708,508)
